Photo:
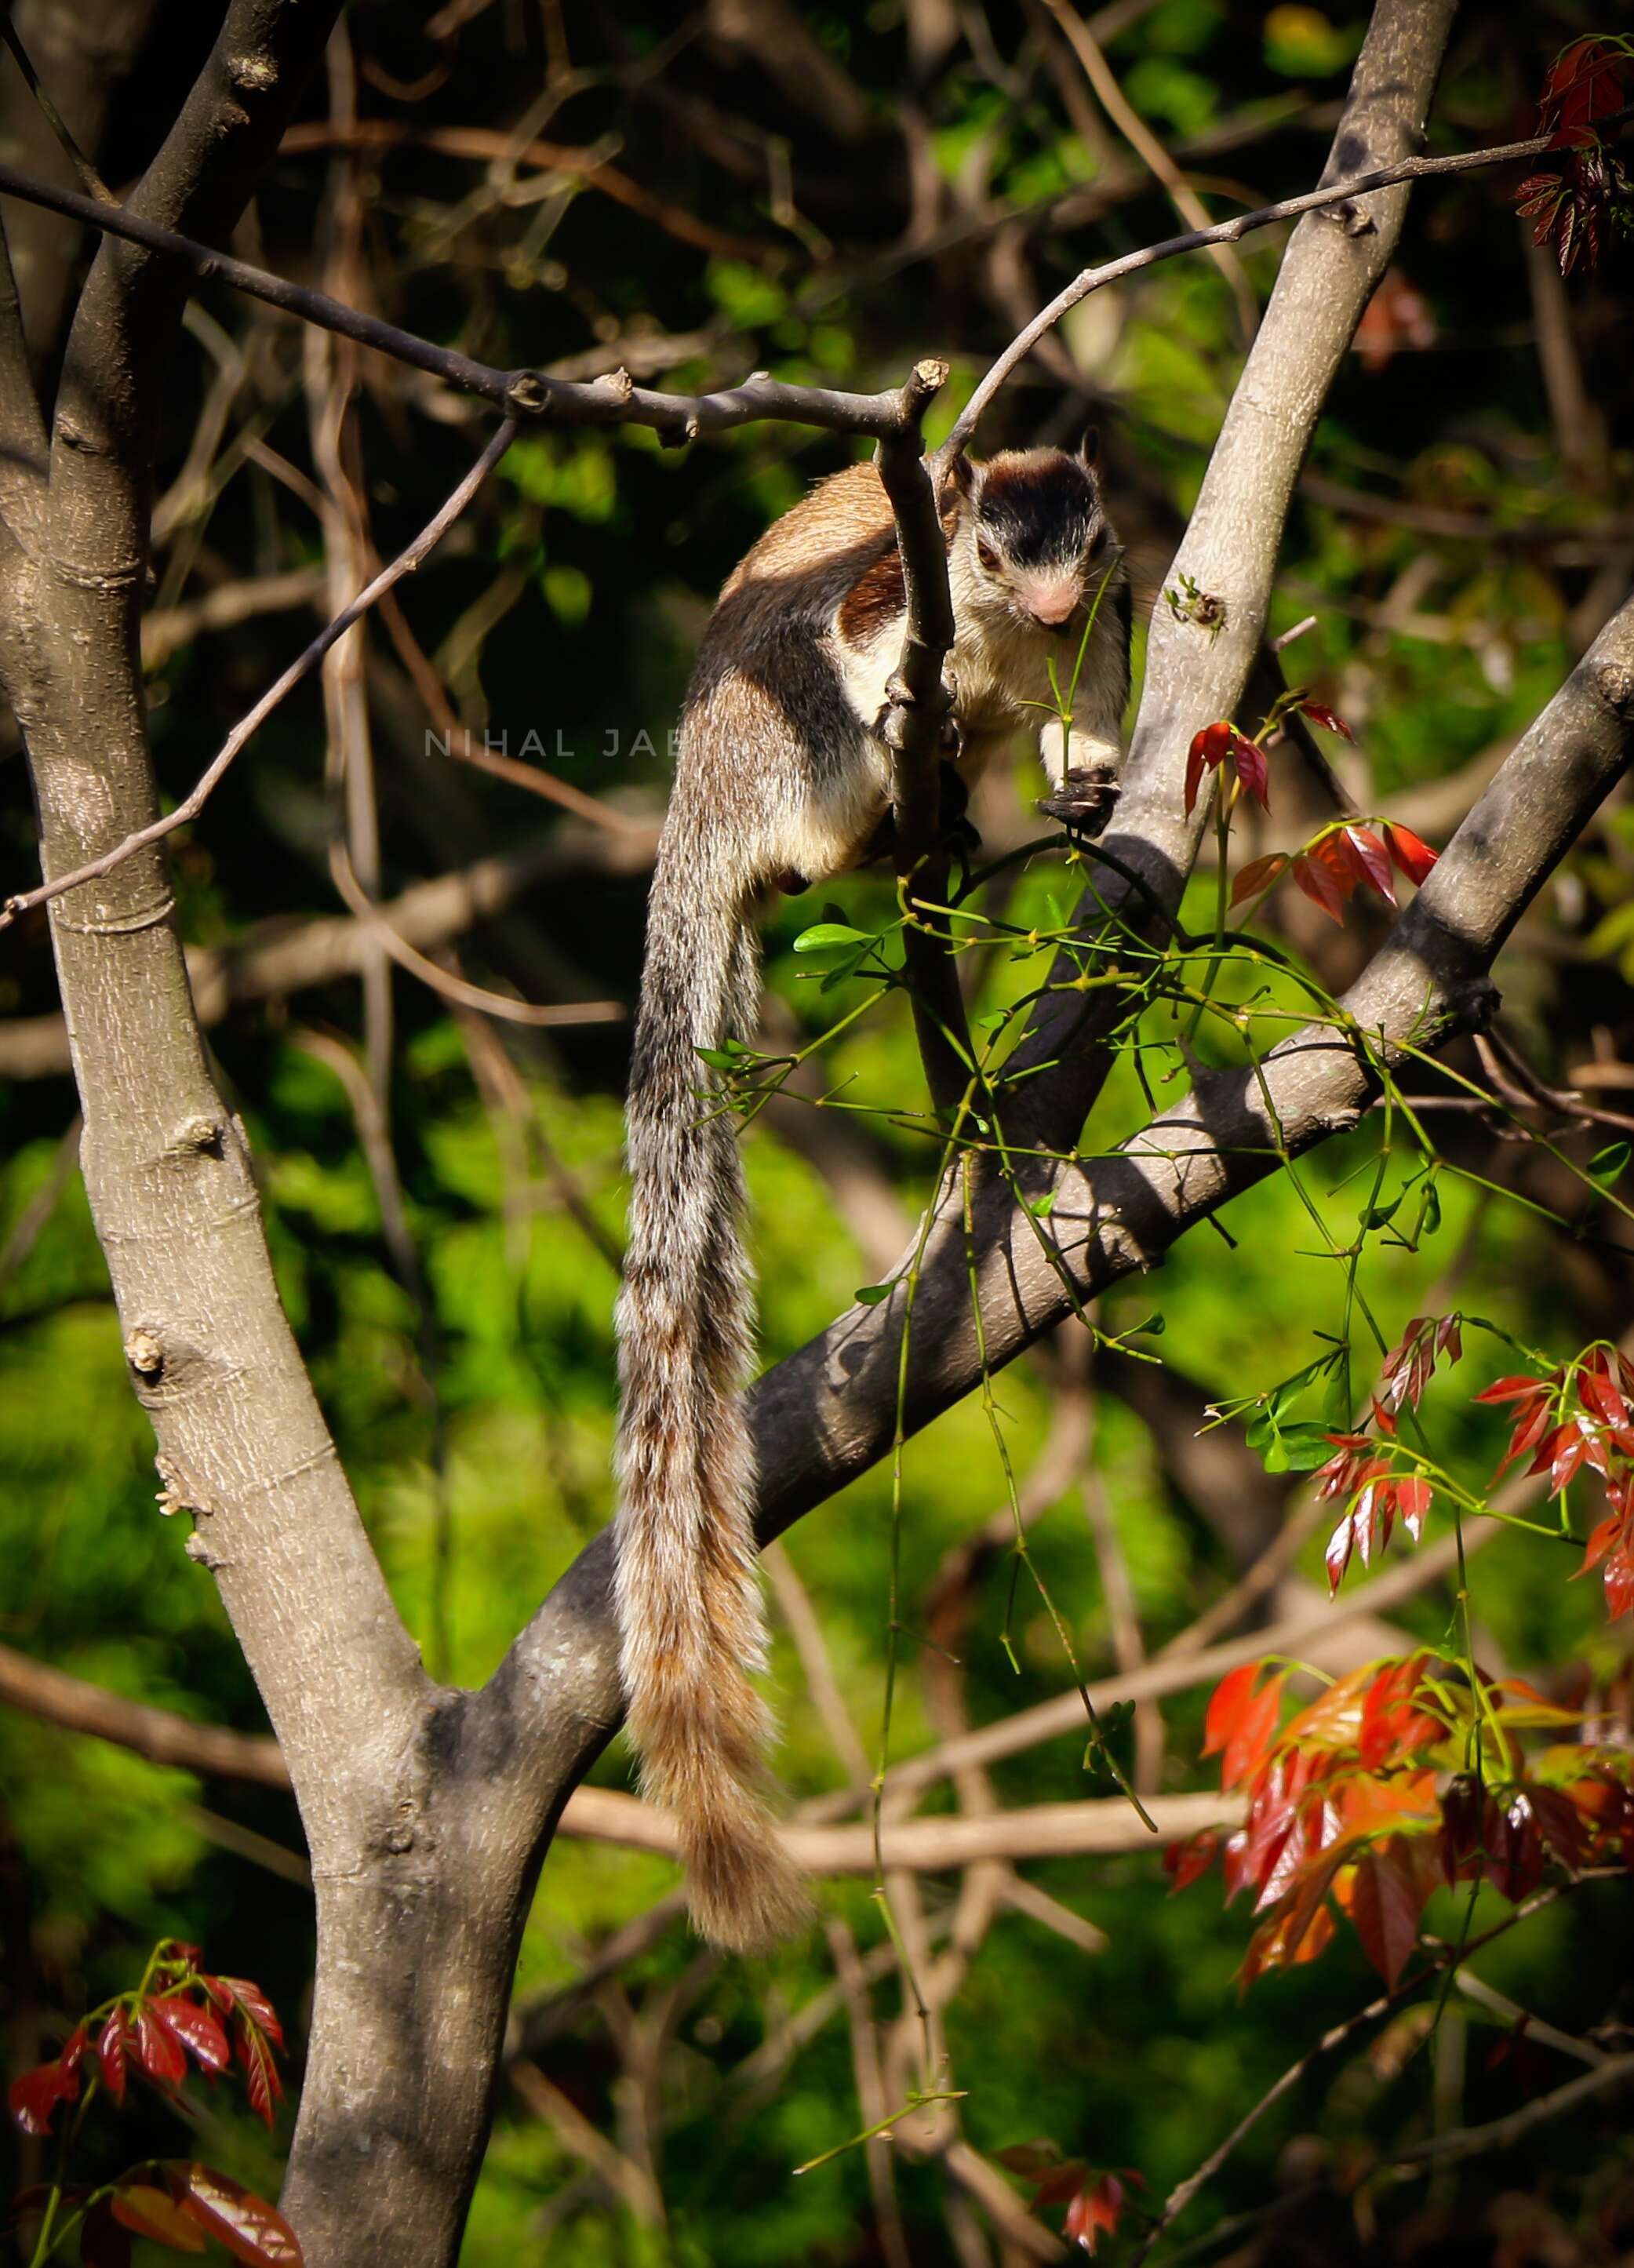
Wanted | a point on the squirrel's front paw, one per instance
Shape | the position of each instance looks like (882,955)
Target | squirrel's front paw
(1085,800)
(891,722)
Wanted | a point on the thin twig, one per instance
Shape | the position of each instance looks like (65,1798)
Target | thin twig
(1504,2133)
(1225,232)
(1188,204)
(610,400)
(443,981)
(191,805)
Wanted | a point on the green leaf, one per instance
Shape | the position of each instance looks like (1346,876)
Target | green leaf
(1299,1449)
(1607,1166)
(821,935)
(870,1295)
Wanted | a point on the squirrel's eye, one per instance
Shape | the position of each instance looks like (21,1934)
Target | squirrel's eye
(986,554)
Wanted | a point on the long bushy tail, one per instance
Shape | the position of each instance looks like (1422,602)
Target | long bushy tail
(687,1592)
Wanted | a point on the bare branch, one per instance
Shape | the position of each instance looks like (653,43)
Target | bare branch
(1503,2134)
(1226,231)
(613,400)
(160,1734)
(914,729)
(487,145)
(1188,204)
(444,981)
(274,959)
(192,804)
(606,1815)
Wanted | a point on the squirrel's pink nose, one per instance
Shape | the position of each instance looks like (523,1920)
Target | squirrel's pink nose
(1050,601)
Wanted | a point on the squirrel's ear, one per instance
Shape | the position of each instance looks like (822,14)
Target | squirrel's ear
(961,472)
(1089,448)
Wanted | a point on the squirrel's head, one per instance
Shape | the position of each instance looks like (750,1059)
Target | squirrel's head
(1033,539)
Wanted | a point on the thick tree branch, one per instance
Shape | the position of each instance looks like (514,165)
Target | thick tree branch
(1196,670)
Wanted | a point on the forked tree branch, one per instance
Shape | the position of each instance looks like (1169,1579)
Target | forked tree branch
(826,1414)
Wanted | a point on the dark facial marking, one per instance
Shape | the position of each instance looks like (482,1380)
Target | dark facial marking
(1041,514)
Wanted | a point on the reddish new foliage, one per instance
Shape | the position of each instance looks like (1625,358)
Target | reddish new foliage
(1366,1802)
(1094,2202)
(1573,209)
(170,2017)
(1576,1416)
(1346,858)
(1213,747)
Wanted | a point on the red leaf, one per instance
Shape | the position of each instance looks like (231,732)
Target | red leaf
(1412,853)
(1517,1851)
(1208,751)
(1385,1905)
(1370,858)
(1250,762)
(1569,1447)
(1511,1389)
(1619,1580)
(1599,1395)
(1584,84)
(1194,772)
(196,2028)
(1320,887)
(1241,1721)
(1341,1545)
(244,2223)
(1256,1729)
(1030,2162)
(262,2082)
(1093,2213)
(1413,1499)
(113,2052)
(1326,718)
(1225,1705)
(1184,1862)
(255,2002)
(1062,2183)
(158,2049)
(34,2098)
(151,2212)
(1560,1824)
(1258,874)
(1460,1826)
(1600,1542)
